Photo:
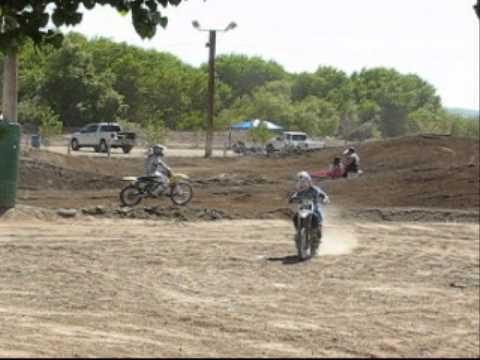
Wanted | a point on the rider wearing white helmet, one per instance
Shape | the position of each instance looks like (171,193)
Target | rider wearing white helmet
(306,190)
(156,167)
(353,161)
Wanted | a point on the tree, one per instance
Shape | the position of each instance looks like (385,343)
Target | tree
(316,117)
(49,127)
(28,19)
(244,74)
(396,96)
(74,90)
(326,83)
(259,134)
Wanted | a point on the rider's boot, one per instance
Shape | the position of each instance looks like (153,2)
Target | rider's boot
(158,189)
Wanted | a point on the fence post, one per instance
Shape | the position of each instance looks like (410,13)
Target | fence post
(109,148)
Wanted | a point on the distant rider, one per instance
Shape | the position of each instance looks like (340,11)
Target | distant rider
(352,161)
(306,190)
(156,167)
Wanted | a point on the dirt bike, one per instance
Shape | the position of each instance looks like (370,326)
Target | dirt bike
(306,238)
(178,190)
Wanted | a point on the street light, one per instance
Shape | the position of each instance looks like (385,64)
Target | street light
(211,80)
(230,26)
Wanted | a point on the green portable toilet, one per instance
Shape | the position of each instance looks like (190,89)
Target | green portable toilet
(9,159)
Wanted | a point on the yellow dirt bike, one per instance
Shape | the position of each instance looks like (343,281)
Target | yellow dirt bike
(178,190)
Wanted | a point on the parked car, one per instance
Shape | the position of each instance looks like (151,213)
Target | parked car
(98,136)
(292,140)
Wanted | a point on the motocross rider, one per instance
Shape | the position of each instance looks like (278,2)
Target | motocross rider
(353,161)
(156,167)
(306,190)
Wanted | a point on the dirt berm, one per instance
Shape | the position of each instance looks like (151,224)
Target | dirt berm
(419,171)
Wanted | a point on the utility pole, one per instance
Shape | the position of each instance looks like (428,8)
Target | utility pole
(211,82)
(9,98)
(211,93)
(10,68)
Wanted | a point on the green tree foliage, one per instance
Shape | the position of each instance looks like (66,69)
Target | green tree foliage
(428,120)
(316,116)
(263,104)
(100,80)
(32,112)
(49,127)
(155,131)
(28,19)
(244,74)
(259,134)
(326,83)
(396,96)
(464,126)
(75,91)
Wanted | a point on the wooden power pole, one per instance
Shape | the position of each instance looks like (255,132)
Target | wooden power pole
(211,93)
(9,94)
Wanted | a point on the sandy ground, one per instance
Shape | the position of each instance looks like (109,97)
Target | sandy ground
(138,152)
(110,288)
(398,272)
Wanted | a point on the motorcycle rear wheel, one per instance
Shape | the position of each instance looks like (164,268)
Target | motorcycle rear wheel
(130,196)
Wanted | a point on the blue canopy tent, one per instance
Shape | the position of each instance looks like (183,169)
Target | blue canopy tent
(251,124)
(254,123)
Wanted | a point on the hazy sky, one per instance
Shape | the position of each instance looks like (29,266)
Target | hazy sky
(436,39)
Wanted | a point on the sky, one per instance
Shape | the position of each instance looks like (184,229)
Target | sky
(435,39)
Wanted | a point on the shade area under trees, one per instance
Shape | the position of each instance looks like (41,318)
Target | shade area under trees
(91,80)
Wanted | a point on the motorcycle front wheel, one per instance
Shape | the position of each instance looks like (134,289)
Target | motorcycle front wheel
(303,243)
(181,193)
(130,196)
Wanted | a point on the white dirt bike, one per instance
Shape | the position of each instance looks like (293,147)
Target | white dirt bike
(307,239)
(178,190)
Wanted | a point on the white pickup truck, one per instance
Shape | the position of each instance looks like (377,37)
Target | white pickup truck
(292,140)
(99,136)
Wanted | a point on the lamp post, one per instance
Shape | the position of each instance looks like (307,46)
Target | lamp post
(211,80)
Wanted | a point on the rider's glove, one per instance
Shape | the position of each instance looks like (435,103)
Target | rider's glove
(326,200)
(291,197)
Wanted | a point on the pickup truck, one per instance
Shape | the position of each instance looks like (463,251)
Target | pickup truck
(292,140)
(100,134)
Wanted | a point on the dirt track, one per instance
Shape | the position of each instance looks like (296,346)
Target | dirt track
(382,286)
(234,288)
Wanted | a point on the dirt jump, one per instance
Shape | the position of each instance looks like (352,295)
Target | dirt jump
(397,274)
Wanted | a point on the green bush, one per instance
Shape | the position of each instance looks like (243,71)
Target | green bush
(259,135)
(50,127)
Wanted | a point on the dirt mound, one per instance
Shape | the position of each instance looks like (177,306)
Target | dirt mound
(35,174)
(234,180)
(415,171)
(158,213)
(414,215)
(27,213)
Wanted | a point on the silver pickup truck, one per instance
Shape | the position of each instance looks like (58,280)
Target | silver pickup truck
(100,135)
(292,140)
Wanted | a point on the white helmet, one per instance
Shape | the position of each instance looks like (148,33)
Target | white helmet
(304,180)
(158,149)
